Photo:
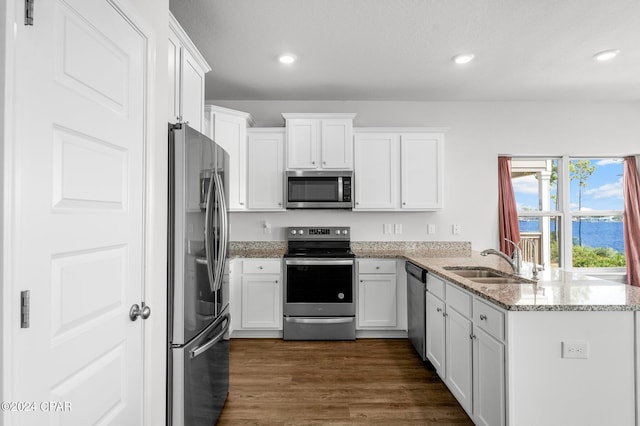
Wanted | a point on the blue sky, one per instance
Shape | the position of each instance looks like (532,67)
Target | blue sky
(603,190)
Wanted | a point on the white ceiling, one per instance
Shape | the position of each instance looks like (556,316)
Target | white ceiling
(401,49)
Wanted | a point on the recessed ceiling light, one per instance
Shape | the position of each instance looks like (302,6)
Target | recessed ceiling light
(463,58)
(287,58)
(606,55)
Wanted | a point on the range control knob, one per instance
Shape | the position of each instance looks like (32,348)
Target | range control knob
(294,232)
(345,231)
(337,232)
(301,231)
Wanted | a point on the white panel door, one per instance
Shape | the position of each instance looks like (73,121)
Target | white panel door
(458,351)
(77,242)
(173,77)
(261,302)
(230,132)
(192,93)
(488,380)
(376,171)
(265,169)
(435,339)
(337,144)
(421,168)
(302,143)
(377,303)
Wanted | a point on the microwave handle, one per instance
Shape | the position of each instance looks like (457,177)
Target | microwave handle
(340,189)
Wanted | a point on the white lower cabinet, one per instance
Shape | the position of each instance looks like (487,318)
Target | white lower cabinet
(465,343)
(377,294)
(435,340)
(488,379)
(257,298)
(459,358)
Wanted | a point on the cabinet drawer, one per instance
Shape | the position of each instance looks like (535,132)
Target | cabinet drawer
(489,319)
(435,285)
(377,266)
(459,300)
(261,266)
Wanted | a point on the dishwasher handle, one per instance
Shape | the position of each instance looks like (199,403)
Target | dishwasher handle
(416,272)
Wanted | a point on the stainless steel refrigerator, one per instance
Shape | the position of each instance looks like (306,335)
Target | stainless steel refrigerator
(198,302)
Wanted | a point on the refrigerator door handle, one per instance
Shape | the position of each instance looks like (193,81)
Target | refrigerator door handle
(203,348)
(208,231)
(224,233)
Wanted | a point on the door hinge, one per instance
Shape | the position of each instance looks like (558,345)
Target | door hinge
(25,301)
(28,12)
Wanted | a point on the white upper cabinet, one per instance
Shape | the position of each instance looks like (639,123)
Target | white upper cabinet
(265,169)
(398,169)
(186,70)
(319,141)
(376,171)
(229,129)
(421,163)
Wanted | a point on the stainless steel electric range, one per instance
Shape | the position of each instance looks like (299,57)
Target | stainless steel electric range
(319,293)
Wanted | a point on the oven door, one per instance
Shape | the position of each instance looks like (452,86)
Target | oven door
(319,287)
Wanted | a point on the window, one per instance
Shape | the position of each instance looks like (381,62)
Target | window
(570,211)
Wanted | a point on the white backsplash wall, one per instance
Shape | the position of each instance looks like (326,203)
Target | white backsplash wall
(365,226)
(478,133)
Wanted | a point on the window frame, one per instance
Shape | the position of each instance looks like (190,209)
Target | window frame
(565,215)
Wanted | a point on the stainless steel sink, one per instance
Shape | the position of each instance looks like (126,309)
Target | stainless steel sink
(486,275)
(475,273)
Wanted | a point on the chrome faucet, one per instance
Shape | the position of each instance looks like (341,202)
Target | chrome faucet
(515,260)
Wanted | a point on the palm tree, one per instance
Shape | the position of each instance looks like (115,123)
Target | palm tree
(580,170)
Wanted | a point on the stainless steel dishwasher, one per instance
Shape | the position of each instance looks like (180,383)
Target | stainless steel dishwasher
(416,307)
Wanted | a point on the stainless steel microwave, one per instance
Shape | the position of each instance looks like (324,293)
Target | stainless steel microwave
(318,189)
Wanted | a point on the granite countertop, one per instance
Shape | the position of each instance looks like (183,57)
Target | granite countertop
(556,290)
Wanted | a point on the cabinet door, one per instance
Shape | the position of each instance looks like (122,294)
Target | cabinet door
(376,171)
(173,48)
(337,144)
(261,302)
(377,301)
(192,93)
(230,132)
(436,333)
(421,168)
(265,171)
(488,379)
(459,354)
(302,143)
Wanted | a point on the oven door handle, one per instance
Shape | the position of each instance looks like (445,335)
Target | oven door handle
(297,320)
(323,262)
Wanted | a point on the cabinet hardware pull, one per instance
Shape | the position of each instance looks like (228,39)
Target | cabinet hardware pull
(438,310)
(444,314)
(483,317)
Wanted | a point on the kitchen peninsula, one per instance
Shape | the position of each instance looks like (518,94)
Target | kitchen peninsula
(558,351)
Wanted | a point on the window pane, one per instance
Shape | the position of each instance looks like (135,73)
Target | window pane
(596,184)
(535,184)
(539,240)
(598,242)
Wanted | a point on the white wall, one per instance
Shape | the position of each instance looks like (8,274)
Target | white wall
(478,133)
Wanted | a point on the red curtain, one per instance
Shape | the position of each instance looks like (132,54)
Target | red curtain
(632,220)
(507,210)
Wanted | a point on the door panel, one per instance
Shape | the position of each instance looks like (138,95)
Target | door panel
(79,140)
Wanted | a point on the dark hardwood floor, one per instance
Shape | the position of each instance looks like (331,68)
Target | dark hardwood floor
(368,381)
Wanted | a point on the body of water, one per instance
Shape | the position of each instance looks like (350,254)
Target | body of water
(594,234)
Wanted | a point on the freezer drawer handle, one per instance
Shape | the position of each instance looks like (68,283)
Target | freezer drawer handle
(203,348)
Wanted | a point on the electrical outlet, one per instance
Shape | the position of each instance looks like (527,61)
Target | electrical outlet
(266,227)
(575,350)
(386,228)
(456,229)
(397,229)
(431,228)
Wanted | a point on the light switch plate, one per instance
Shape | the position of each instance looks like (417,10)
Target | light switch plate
(386,228)
(431,228)
(397,229)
